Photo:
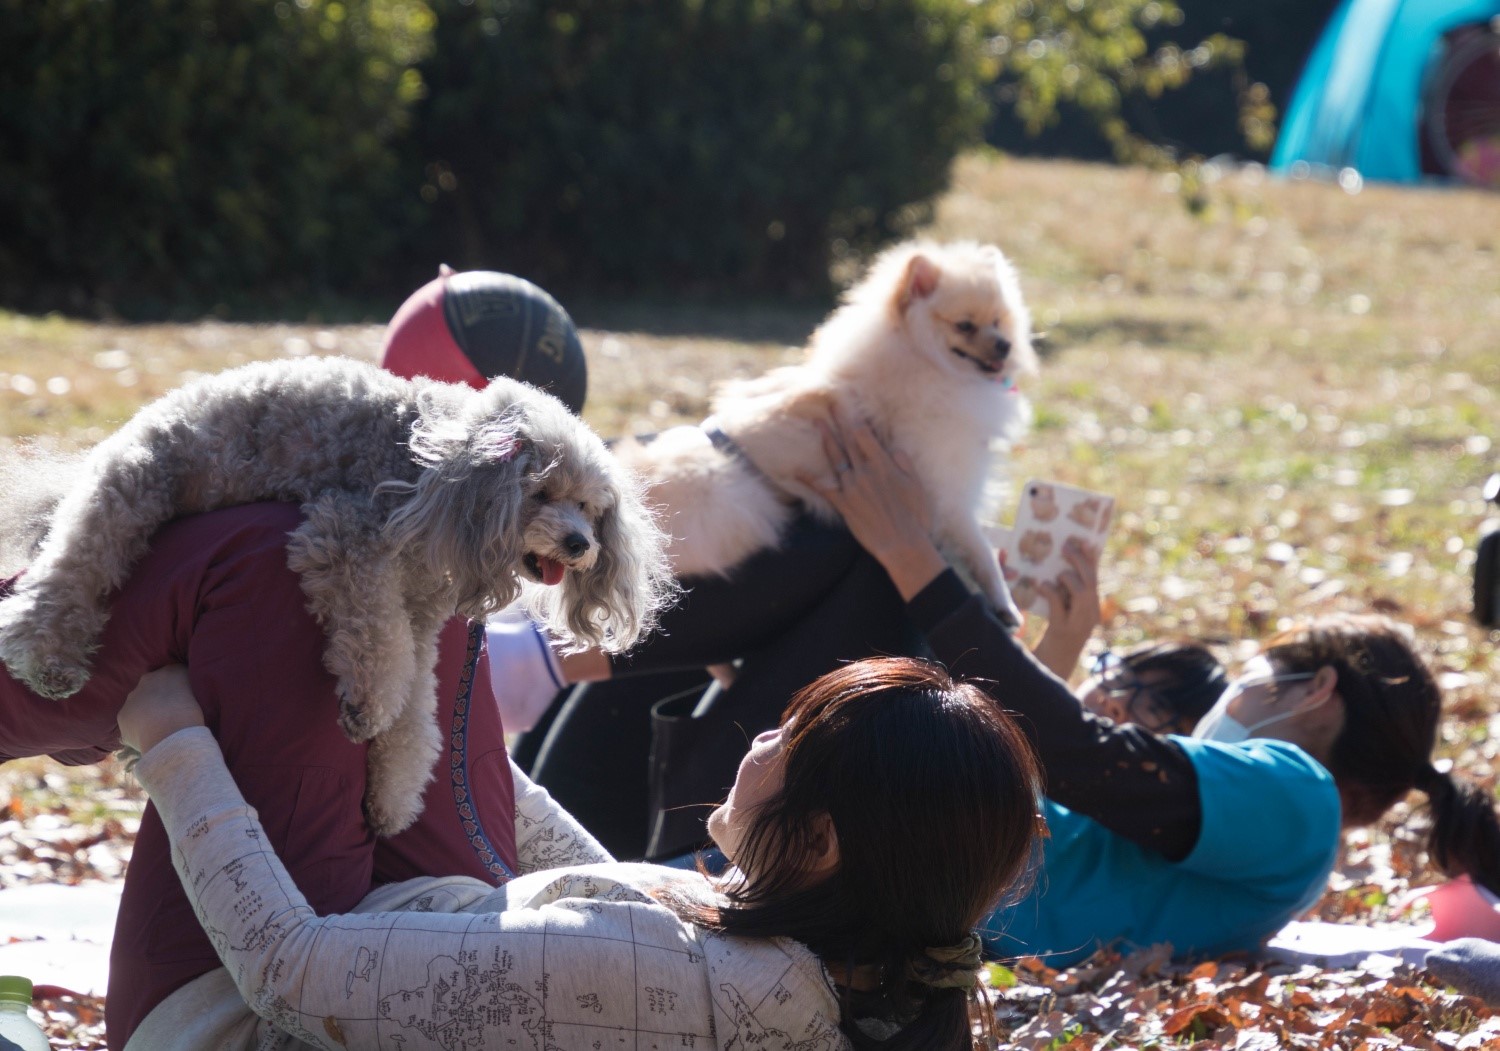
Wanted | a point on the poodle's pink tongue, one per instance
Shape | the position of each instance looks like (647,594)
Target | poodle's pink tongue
(552,570)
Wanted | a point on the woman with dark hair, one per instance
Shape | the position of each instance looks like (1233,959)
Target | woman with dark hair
(1165,687)
(824,935)
(1210,842)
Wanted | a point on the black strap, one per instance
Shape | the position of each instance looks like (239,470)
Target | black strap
(729,447)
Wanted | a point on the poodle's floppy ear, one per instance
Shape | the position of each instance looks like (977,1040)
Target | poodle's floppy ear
(616,601)
(462,516)
(919,279)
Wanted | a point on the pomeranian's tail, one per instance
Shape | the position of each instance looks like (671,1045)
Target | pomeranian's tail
(33,478)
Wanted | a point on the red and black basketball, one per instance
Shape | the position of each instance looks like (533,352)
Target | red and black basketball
(472,326)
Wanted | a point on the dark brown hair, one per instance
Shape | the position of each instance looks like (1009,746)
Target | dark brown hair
(933,794)
(1192,678)
(1392,707)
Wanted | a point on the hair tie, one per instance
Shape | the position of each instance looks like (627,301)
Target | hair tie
(948,967)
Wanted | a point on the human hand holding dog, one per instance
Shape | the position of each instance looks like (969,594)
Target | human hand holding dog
(882,502)
(161,704)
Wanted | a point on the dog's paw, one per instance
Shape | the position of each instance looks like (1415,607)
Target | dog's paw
(56,678)
(1006,599)
(356,719)
(30,648)
(51,677)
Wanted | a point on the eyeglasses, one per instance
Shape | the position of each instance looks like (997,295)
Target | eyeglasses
(1115,677)
(1145,706)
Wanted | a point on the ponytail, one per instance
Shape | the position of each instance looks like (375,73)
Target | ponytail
(943,1020)
(945,1015)
(1465,835)
(1392,708)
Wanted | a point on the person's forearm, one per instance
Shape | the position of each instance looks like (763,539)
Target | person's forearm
(547,836)
(358,979)
(1133,782)
(265,928)
(1059,651)
(912,565)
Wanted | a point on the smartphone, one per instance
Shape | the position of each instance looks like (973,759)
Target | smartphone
(1047,514)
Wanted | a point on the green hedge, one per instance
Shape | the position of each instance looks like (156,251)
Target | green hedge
(161,156)
(157,154)
(621,143)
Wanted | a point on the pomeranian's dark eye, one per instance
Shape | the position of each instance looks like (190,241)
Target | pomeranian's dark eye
(966,327)
(540,496)
(583,506)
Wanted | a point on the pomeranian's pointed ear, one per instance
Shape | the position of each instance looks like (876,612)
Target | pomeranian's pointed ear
(918,281)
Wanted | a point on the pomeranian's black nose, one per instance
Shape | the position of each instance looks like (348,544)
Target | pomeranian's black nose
(575,544)
(1002,346)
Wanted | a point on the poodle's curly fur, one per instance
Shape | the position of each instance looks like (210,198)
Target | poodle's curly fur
(421,499)
(34,477)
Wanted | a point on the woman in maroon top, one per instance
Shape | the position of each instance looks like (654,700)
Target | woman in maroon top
(214,593)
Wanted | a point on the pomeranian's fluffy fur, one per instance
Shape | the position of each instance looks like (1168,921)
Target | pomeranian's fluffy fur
(421,499)
(927,349)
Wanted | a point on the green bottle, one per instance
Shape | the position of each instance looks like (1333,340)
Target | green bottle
(16,1027)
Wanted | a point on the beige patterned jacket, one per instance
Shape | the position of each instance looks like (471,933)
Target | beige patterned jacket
(574,957)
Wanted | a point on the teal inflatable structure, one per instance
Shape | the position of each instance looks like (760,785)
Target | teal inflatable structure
(1359,103)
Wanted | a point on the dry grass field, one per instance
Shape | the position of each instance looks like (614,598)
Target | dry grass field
(1293,391)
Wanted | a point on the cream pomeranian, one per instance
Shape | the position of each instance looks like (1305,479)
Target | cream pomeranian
(927,349)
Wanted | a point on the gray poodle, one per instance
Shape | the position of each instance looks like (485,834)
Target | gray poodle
(421,499)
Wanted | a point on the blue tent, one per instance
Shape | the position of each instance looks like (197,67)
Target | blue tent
(1359,102)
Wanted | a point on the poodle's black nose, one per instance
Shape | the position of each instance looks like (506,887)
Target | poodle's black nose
(1002,346)
(575,544)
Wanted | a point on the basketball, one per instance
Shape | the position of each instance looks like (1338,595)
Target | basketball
(472,326)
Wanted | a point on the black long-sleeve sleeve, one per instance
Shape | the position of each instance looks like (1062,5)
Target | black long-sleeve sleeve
(719,619)
(1136,783)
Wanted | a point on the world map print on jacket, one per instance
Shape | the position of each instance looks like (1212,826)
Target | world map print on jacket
(585,957)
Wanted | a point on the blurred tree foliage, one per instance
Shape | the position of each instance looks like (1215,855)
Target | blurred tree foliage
(1152,80)
(1095,56)
(625,143)
(161,155)
(166,152)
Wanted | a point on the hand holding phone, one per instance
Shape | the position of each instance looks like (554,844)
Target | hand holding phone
(1048,514)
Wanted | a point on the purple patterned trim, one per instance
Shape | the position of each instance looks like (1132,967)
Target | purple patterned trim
(458,764)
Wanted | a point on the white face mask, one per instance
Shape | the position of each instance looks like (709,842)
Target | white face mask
(1219,725)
